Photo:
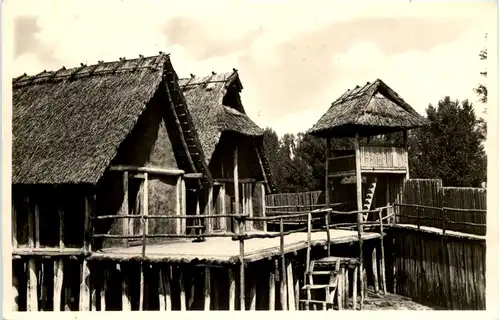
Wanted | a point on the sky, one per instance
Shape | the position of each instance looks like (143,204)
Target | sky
(294,57)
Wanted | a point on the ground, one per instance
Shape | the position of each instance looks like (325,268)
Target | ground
(390,301)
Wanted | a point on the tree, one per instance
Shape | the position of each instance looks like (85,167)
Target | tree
(481,89)
(450,147)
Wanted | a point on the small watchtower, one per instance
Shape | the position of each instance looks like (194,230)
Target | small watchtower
(363,112)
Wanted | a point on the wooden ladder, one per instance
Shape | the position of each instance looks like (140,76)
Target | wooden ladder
(336,288)
(369,197)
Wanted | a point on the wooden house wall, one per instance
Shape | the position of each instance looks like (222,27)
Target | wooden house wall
(48,200)
(149,144)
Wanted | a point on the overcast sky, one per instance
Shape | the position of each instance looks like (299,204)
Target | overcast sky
(294,57)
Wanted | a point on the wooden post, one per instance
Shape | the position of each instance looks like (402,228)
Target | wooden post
(272,288)
(327,224)
(126,305)
(210,222)
(250,204)
(242,264)
(141,287)
(236,186)
(58,281)
(37,226)
(405,139)
(182,290)
(197,221)
(178,195)
(144,214)
(207,289)
(85,287)
(374,269)
(340,289)
(223,219)
(31,226)
(184,206)
(382,253)
(32,297)
(297,294)
(232,290)
(104,288)
(253,293)
(124,209)
(14,226)
(61,228)
(359,215)
(327,182)
(15,283)
(263,206)
(290,285)
(355,288)
(283,294)
(164,289)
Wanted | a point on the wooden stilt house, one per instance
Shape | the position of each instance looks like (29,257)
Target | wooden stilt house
(232,144)
(378,170)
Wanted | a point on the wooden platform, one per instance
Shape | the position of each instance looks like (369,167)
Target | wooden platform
(225,250)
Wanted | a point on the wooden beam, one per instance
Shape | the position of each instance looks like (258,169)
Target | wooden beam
(283,295)
(359,215)
(193,175)
(85,287)
(272,288)
(374,269)
(184,206)
(263,205)
(61,228)
(206,289)
(236,186)
(182,290)
(290,286)
(58,283)
(232,290)
(124,208)
(178,196)
(32,281)
(150,170)
(232,180)
(355,288)
(145,222)
(210,221)
(14,226)
(141,287)
(327,182)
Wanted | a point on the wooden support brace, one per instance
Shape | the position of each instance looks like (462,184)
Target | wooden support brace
(141,287)
(253,294)
(58,283)
(272,288)
(182,290)
(355,288)
(374,269)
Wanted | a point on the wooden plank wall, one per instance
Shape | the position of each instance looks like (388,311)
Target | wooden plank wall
(301,199)
(430,192)
(442,271)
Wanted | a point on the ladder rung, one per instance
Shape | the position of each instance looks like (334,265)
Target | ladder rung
(321,272)
(317,301)
(318,286)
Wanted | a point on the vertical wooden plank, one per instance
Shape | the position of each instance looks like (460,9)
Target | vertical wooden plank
(374,269)
(232,290)
(359,215)
(272,288)
(382,253)
(85,287)
(206,289)
(253,293)
(124,210)
(340,288)
(15,284)
(178,196)
(297,294)
(284,305)
(32,297)
(327,182)
(31,225)
(210,221)
(144,214)
(290,286)
(162,284)
(182,290)
(94,293)
(14,225)
(236,185)
(104,287)
(37,226)
(250,204)
(263,206)
(223,219)
(242,265)
(355,288)
(141,287)
(184,206)
(58,282)
(126,304)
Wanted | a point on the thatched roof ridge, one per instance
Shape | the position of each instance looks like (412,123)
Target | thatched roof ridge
(68,124)
(215,105)
(369,110)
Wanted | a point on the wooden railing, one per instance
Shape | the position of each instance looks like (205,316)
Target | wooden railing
(243,235)
(439,217)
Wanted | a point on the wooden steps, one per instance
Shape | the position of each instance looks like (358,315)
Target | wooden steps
(370,194)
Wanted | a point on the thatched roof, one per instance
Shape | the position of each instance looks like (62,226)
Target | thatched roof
(368,110)
(68,124)
(215,106)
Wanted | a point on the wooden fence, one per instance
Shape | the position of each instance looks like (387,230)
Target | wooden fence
(289,202)
(430,193)
(446,272)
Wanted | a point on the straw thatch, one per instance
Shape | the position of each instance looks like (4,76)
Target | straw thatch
(68,124)
(368,110)
(215,105)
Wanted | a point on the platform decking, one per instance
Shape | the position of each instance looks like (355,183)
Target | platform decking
(225,250)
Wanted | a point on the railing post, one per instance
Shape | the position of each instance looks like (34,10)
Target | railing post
(283,267)
(443,220)
(143,215)
(327,223)
(242,261)
(382,253)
